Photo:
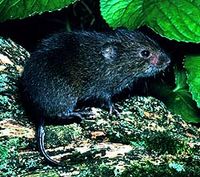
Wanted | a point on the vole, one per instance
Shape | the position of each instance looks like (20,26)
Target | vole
(72,67)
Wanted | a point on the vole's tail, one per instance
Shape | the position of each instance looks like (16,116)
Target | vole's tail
(40,141)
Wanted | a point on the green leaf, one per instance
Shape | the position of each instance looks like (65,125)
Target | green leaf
(178,100)
(192,66)
(178,20)
(126,13)
(18,9)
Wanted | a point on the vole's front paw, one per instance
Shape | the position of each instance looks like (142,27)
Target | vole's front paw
(113,111)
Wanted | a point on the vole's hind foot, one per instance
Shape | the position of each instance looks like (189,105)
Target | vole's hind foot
(70,117)
(85,112)
(74,117)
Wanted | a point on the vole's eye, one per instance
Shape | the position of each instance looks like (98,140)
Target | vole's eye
(145,53)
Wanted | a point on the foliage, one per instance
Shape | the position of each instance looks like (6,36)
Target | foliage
(192,65)
(18,9)
(179,99)
(174,20)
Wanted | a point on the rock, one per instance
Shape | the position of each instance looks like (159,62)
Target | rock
(145,140)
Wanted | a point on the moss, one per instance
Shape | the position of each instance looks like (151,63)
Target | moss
(12,163)
(164,170)
(90,157)
(122,132)
(138,144)
(62,135)
(95,170)
(9,156)
(41,174)
(165,142)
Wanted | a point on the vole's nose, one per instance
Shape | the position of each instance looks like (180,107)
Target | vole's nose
(154,59)
(163,60)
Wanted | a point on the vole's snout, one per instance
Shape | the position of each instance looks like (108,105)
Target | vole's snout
(164,60)
(159,61)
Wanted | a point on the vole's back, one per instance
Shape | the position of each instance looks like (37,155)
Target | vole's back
(46,78)
(71,67)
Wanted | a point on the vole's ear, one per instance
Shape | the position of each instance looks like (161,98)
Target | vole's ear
(109,52)
(111,49)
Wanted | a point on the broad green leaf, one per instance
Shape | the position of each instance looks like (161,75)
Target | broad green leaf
(178,20)
(18,9)
(126,13)
(181,99)
(178,100)
(192,66)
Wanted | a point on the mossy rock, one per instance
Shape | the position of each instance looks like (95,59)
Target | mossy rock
(145,140)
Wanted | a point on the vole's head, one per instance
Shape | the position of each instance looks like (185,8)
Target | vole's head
(133,54)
